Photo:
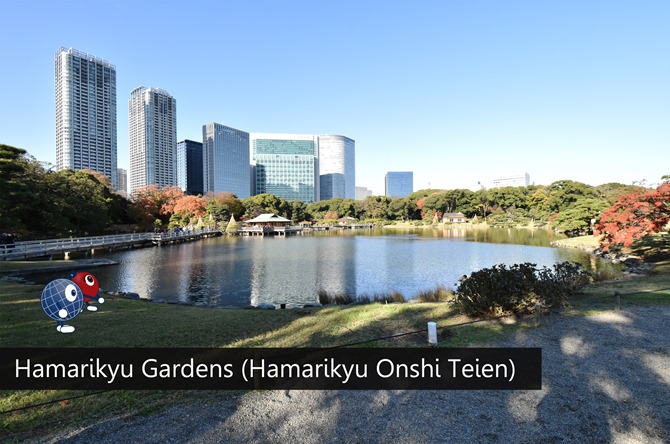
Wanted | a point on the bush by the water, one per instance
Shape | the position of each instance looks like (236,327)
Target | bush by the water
(516,289)
(326,298)
(440,294)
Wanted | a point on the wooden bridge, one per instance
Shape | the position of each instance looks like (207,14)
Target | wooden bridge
(339,227)
(52,247)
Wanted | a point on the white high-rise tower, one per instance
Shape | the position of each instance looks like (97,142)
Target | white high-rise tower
(85,113)
(152,119)
(337,167)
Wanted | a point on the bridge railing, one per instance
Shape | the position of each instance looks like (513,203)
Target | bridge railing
(46,247)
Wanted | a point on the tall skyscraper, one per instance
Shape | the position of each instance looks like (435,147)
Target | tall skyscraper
(286,165)
(189,167)
(399,183)
(152,119)
(226,166)
(337,167)
(85,113)
(122,177)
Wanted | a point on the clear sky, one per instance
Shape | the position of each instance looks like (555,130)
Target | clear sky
(457,91)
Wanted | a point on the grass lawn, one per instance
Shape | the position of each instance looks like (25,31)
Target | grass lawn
(126,323)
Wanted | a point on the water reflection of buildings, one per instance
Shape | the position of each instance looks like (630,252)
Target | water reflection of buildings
(142,281)
(294,275)
(454,232)
(336,266)
(189,275)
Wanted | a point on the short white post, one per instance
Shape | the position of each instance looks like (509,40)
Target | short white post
(432,334)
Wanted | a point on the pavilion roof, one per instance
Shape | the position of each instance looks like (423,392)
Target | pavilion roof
(267,217)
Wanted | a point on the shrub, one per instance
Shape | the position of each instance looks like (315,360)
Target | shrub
(394,296)
(326,298)
(516,289)
(440,294)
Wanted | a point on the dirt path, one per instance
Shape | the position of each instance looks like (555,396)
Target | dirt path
(606,378)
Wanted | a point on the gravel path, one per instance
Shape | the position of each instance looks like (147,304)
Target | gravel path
(606,378)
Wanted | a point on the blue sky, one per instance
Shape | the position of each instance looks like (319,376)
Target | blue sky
(459,92)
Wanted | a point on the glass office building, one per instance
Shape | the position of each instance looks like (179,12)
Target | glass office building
(337,167)
(226,165)
(189,167)
(399,183)
(286,165)
(152,125)
(85,88)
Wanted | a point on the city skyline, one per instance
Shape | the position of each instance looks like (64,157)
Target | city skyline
(568,90)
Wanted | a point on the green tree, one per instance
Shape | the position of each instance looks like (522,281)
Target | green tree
(564,193)
(577,219)
(348,208)
(316,210)
(483,203)
(376,207)
(221,206)
(610,192)
(265,203)
(298,211)
(17,195)
(400,209)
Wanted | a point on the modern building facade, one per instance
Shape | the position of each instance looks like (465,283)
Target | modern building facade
(189,167)
(513,180)
(226,164)
(399,183)
(337,167)
(122,178)
(362,193)
(85,89)
(152,120)
(286,165)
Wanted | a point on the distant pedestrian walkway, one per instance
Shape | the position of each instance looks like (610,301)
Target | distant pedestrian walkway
(65,246)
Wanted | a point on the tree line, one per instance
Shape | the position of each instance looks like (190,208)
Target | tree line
(37,202)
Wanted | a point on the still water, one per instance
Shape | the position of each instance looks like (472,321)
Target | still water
(238,271)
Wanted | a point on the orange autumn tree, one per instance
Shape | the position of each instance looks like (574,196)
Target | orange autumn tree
(190,208)
(151,203)
(634,216)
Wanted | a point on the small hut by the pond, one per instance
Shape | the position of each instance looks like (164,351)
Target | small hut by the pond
(269,223)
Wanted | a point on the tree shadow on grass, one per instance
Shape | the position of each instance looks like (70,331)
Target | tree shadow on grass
(606,378)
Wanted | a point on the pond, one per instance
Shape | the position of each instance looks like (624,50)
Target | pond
(239,271)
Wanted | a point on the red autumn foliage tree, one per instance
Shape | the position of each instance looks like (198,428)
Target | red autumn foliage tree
(419,204)
(330,215)
(191,206)
(634,216)
(151,202)
(170,195)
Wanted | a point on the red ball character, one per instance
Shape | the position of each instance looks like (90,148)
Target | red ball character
(89,286)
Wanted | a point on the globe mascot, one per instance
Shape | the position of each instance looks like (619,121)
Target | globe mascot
(89,286)
(62,300)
